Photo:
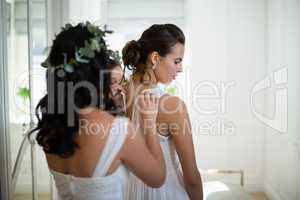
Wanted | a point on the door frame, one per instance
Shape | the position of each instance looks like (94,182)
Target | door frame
(5,161)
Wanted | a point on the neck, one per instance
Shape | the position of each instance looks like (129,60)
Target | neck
(139,82)
(147,78)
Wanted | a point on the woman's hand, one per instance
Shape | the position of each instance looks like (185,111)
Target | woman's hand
(148,107)
(118,94)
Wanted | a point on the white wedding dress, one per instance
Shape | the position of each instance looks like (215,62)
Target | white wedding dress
(99,186)
(173,188)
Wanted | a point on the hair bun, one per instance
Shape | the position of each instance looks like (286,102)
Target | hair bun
(131,53)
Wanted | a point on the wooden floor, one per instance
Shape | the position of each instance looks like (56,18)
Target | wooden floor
(256,196)
(259,196)
(29,197)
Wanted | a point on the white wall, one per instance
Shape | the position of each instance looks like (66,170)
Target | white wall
(282,154)
(80,11)
(227,46)
(247,42)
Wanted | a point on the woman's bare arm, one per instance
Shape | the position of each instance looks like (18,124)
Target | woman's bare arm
(175,114)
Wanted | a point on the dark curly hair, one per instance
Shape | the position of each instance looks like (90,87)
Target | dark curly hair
(57,111)
(158,37)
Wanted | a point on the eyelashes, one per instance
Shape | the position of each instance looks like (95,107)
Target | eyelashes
(178,61)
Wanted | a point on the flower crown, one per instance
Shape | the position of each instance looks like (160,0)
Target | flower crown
(84,54)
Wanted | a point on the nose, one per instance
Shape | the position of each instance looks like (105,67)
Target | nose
(179,69)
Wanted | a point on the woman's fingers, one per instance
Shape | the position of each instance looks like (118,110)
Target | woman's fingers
(116,89)
(118,95)
(148,105)
(152,97)
(147,97)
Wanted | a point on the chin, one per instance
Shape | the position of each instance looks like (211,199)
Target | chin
(165,81)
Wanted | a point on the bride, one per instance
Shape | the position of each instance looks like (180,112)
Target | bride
(157,58)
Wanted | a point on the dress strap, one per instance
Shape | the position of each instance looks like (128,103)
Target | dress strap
(113,145)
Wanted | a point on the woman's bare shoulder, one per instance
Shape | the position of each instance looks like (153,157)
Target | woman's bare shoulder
(171,104)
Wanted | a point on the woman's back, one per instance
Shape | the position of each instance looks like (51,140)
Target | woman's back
(93,133)
(94,171)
